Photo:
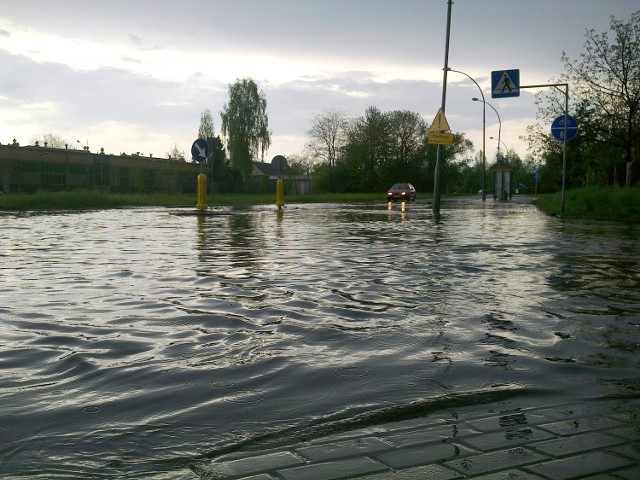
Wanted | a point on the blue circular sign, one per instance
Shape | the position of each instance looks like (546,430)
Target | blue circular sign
(200,150)
(558,127)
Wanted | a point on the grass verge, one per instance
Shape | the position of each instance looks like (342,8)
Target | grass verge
(601,203)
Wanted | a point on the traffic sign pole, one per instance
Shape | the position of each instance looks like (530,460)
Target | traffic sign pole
(564,141)
(438,169)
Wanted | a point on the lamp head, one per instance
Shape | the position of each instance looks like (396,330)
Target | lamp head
(475,99)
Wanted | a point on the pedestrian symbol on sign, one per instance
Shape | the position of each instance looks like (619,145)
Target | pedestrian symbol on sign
(505,83)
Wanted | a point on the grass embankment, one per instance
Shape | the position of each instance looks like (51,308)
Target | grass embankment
(601,203)
(91,199)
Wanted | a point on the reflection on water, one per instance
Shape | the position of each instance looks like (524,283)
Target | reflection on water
(137,341)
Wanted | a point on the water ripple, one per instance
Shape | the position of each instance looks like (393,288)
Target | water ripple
(136,341)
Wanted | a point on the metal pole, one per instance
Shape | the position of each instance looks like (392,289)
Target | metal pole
(484,148)
(564,139)
(484,123)
(501,142)
(564,146)
(499,127)
(436,176)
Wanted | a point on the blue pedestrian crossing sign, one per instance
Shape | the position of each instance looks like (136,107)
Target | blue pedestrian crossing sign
(505,83)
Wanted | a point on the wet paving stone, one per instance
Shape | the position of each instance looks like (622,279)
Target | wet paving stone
(495,461)
(632,473)
(507,438)
(581,465)
(250,465)
(421,455)
(348,448)
(579,425)
(421,473)
(631,450)
(582,442)
(333,470)
(426,435)
(509,475)
(628,433)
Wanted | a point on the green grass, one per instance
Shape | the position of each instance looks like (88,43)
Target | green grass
(87,199)
(603,203)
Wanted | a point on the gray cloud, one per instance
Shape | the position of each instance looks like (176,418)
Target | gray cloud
(357,36)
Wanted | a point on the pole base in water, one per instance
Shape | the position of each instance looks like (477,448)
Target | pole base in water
(202,192)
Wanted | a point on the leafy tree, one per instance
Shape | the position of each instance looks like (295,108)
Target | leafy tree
(407,131)
(327,135)
(51,140)
(367,150)
(176,153)
(217,159)
(608,75)
(205,132)
(605,95)
(245,125)
(455,161)
(385,147)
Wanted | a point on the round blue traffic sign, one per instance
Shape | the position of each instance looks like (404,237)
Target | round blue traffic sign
(558,127)
(200,150)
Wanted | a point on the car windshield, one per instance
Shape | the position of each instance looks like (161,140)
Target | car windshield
(400,186)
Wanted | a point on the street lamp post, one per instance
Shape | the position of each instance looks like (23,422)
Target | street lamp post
(501,142)
(499,119)
(484,122)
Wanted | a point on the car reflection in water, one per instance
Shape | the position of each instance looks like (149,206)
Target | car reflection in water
(402,192)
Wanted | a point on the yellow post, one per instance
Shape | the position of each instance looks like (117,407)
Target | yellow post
(202,192)
(280,193)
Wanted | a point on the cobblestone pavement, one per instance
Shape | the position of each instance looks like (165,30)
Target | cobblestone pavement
(597,439)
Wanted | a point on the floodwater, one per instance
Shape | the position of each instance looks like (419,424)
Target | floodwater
(136,343)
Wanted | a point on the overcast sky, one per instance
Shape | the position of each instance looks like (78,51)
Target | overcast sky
(135,75)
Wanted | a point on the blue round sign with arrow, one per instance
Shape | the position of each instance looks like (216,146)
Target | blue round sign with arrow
(200,150)
(558,127)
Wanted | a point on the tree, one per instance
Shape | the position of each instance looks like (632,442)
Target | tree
(217,155)
(407,130)
(367,149)
(176,153)
(605,80)
(327,135)
(205,132)
(245,125)
(51,140)
(607,75)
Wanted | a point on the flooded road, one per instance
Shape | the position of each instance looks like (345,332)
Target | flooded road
(136,343)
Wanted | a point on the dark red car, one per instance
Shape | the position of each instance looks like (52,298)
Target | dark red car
(401,191)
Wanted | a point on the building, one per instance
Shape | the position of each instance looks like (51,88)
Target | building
(35,168)
(265,175)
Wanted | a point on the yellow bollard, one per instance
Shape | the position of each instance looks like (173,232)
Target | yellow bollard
(202,192)
(280,193)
